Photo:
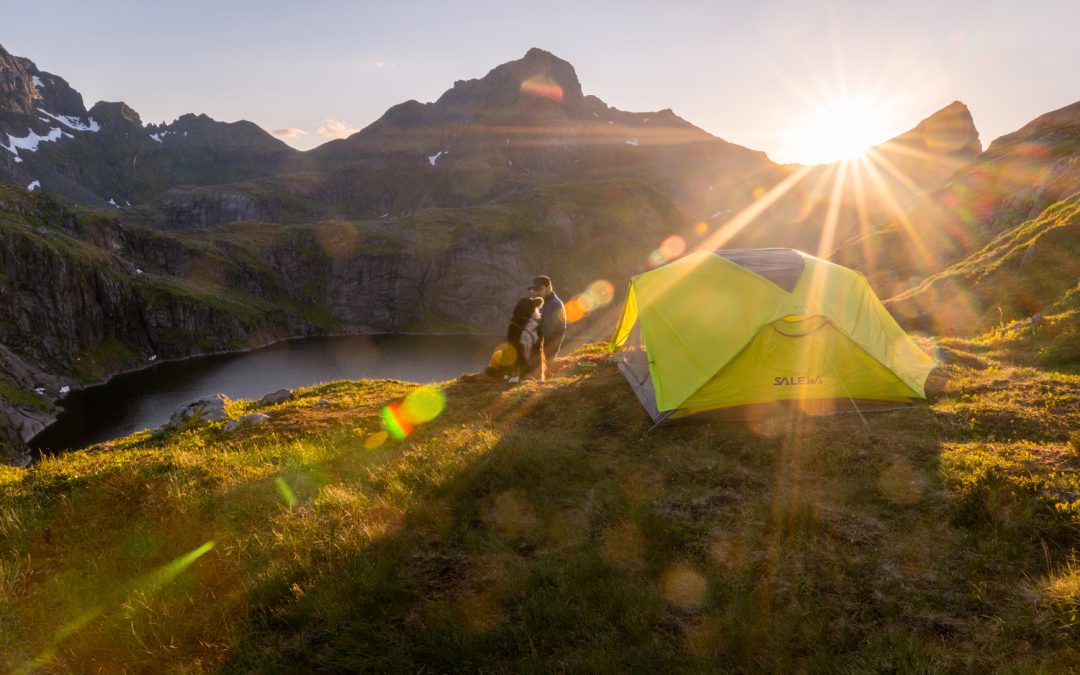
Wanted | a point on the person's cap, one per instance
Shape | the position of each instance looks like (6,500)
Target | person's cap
(540,282)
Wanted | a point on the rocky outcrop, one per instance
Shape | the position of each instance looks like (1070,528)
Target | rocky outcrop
(185,209)
(247,421)
(201,411)
(275,397)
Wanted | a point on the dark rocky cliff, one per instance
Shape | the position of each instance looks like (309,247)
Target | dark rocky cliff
(88,294)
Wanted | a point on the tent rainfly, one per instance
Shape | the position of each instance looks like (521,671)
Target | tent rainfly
(748,330)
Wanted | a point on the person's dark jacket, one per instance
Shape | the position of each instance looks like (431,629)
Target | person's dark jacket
(552,325)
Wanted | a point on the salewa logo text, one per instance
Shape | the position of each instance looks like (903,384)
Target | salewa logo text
(796,381)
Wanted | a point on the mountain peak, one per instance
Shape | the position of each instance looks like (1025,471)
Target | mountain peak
(537,53)
(949,131)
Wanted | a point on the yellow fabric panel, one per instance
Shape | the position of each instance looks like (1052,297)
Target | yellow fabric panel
(844,296)
(697,313)
(626,321)
(823,364)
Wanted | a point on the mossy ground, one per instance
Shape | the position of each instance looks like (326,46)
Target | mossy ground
(538,528)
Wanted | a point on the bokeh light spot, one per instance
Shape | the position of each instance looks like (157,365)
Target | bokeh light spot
(623,546)
(376,439)
(285,491)
(900,483)
(673,247)
(602,291)
(684,586)
(701,229)
(505,355)
(542,86)
(423,404)
(512,514)
(759,192)
(574,311)
(480,611)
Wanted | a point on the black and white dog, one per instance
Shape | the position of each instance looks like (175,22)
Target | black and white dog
(522,355)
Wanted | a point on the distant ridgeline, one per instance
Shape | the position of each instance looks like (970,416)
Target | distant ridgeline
(121,242)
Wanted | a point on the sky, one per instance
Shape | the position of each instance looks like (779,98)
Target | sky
(768,75)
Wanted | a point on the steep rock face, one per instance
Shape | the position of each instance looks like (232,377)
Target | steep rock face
(24,89)
(89,295)
(185,209)
(76,311)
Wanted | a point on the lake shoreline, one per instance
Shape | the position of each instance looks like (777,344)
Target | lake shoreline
(75,388)
(145,397)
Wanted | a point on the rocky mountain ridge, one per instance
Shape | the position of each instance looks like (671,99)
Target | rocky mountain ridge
(428,219)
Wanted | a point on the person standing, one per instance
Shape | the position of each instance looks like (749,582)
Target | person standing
(552,316)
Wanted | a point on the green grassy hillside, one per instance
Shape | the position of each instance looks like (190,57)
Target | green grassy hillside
(1027,270)
(534,528)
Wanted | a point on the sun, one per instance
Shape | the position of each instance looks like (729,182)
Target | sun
(838,130)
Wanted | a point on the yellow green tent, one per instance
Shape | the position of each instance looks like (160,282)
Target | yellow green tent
(746,329)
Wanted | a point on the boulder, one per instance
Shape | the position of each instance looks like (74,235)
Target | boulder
(273,398)
(252,420)
(206,409)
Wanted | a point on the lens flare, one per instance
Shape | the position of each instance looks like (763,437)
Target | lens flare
(673,247)
(394,421)
(602,291)
(684,586)
(701,229)
(285,491)
(423,404)
(596,295)
(542,86)
(376,439)
(574,311)
(505,355)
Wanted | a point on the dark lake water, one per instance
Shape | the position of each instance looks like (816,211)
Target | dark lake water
(145,399)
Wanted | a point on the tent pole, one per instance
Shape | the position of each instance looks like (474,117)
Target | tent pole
(848,393)
(663,418)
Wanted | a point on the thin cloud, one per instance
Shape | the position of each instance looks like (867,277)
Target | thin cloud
(336,129)
(289,132)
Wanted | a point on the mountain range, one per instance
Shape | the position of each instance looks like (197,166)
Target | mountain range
(122,243)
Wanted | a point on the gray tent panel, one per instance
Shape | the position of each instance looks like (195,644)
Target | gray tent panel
(642,389)
(782,266)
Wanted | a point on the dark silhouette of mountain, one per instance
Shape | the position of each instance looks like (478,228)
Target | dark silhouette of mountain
(106,155)
(526,123)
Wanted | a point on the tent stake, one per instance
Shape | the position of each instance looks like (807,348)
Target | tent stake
(663,418)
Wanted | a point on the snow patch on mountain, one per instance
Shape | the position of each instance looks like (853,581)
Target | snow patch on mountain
(434,158)
(38,83)
(73,122)
(31,141)
(33,186)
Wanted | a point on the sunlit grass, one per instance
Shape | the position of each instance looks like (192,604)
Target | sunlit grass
(537,527)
